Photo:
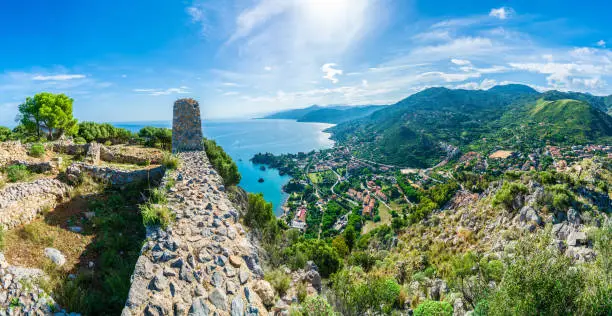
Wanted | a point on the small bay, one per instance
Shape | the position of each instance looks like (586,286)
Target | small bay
(242,139)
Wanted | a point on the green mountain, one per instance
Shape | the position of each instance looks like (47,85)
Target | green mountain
(415,132)
(293,114)
(329,114)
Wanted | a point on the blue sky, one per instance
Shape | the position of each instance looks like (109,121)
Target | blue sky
(129,60)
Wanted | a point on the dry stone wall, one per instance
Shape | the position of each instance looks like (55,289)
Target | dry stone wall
(21,202)
(115,177)
(203,263)
(186,126)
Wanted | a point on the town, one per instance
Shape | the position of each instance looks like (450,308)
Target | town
(331,187)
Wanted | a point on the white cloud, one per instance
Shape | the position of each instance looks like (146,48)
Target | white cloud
(231,93)
(158,92)
(485,84)
(364,83)
(195,13)
(448,77)
(331,72)
(601,43)
(501,13)
(268,68)
(461,62)
(61,77)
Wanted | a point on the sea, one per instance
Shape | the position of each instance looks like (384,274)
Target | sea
(242,139)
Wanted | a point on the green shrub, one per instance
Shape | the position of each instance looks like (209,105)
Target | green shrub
(279,281)
(5,133)
(80,140)
(170,161)
(222,162)
(259,212)
(17,173)
(507,193)
(37,150)
(154,214)
(322,254)
(434,308)
(316,306)
(538,281)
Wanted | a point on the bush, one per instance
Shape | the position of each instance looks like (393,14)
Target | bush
(279,281)
(259,212)
(17,173)
(316,306)
(155,214)
(37,150)
(5,133)
(170,161)
(434,308)
(80,140)
(324,256)
(538,281)
(506,194)
(222,162)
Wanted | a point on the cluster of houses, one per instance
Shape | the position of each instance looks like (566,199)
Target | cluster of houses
(367,201)
(578,151)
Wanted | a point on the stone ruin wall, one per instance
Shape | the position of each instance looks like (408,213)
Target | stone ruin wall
(20,203)
(186,126)
(203,263)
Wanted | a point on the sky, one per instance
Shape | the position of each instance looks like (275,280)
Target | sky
(130,60)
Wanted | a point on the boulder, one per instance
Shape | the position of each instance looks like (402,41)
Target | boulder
(56,256)
(265,292)
(576,238)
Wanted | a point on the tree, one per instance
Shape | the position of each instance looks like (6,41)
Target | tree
(50,113)
(5,133)
(259,212)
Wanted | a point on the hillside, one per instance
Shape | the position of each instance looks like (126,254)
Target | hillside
(415,131)
(329,114)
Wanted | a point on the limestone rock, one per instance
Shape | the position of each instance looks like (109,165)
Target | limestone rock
(265,292)
(56,256)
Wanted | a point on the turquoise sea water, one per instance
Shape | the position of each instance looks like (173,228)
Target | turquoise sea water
(242,139)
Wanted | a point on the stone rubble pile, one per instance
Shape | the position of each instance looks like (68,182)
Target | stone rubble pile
(203,263)
(19,292)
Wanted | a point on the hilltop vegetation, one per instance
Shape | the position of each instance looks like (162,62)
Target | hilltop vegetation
(416,131)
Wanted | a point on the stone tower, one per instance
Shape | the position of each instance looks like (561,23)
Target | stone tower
(186,126)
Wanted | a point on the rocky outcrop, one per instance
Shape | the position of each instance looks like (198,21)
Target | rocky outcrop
(114,176)
(21,202)
(202,264)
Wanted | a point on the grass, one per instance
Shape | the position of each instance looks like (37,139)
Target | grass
(156,214)
(385,219)
(17,173)
(111,239)
(2,241)
(170,161)
(37,150)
